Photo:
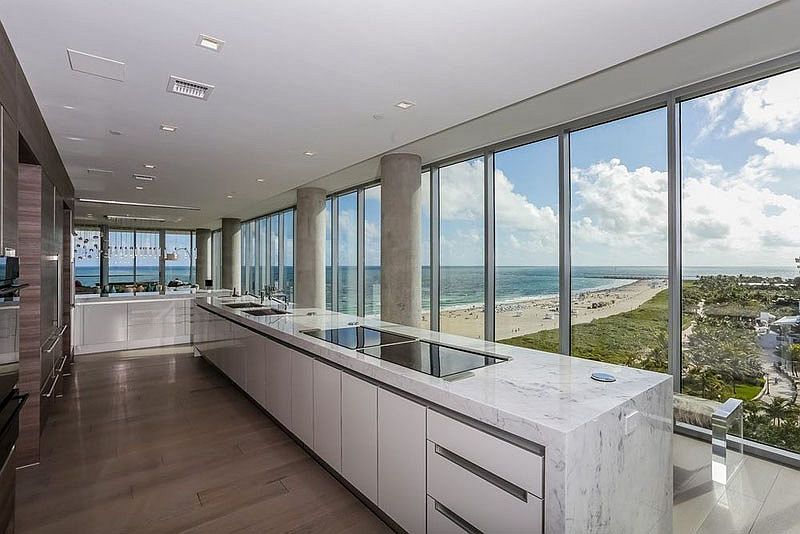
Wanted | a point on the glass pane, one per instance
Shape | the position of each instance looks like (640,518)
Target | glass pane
(178,269)
(328,249)
(619,241)
(346,271)
(148,255)
(288,254)
(216,259)
(461,294)
(526,245)
(741,241)
(425,244)
(86,253)
(274,251)
(120,257)
(262,252)
(372,251)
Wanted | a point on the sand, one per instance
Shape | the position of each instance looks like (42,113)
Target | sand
(526,317)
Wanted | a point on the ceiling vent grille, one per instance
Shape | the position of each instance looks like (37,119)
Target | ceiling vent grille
(144,177)
(181,86)
(99,172)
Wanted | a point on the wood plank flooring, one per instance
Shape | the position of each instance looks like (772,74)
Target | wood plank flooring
(156,440)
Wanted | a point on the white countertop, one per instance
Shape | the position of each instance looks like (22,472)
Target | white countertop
(84,299)
(536,395)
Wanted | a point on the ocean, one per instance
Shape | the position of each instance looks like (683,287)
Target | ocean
(463,286)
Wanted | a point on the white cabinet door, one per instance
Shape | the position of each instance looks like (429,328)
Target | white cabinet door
(360,435)
(401,460)
(105,323)
(328,414)
(303,397)
(279,382)
(256,385)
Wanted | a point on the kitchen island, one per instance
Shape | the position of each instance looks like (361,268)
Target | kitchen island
(121,321)
(531,444)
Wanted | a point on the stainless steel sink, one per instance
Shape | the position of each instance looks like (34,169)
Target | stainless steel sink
(266,311)
(244,305)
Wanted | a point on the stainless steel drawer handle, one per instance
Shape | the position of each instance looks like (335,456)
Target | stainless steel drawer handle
(455,518)
(488,476)
(52,388)
(63,329)
(53,344)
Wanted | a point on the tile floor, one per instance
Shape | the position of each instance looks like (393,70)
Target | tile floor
(761,497)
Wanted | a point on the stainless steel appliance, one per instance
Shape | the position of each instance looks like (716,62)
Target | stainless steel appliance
(358,337)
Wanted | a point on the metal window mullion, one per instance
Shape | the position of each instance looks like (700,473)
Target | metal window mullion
(281,251)
(335,254)
(435,250)
(489,246)
(162,260)
(360,254)
(674,237)
(565,251)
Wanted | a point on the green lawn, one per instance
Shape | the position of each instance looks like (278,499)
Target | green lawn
(621,338)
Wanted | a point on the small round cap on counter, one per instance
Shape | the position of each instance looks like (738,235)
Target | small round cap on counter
(603,377)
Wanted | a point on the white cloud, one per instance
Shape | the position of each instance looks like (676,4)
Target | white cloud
(772,105)
(715,107)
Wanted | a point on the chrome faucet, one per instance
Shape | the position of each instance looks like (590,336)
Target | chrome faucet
(276,295)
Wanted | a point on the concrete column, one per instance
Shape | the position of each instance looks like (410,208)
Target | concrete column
(401,269)
(202,239)
(309,248)
(231,254)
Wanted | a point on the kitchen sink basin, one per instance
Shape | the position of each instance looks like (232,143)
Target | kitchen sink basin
(266,311)
(244,305)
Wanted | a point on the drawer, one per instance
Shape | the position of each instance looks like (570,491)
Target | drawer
(515,464)
(481,503)
(439,523)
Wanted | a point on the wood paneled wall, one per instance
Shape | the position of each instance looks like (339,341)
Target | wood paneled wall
(30,267)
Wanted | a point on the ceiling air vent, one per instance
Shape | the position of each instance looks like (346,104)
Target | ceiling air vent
(144,177)
(99,172)
(181,86)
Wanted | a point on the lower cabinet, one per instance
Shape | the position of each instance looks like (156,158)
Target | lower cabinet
(401,460)
(360,435)
(303,397)
(279,382)
(256,380)
(328,414)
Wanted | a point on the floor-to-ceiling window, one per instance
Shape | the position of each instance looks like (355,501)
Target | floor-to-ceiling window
(526,198)
(86,253)
(740,171)
(328,254)
(273,279)
(216,258)
(121,254)
(288,253)
(425,246)
(461,241)
(148,257)
(347,253)
(619,241)
(372,251)
(179,256)
(247,233)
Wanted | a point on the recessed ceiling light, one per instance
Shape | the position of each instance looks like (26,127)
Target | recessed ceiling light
(168,128)
(139,187)
(139,204)
(89,215)
(144,177)
(260,180)
(149,166)
(229,196)
(68,107)
(405,104)
(74,138)
(211,43)
(309,153)
(115,132)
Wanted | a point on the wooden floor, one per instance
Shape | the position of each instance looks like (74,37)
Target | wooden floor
(158,441)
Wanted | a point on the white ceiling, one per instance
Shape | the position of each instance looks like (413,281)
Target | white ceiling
(304,75)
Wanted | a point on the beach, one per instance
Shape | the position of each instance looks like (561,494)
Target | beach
(533,315)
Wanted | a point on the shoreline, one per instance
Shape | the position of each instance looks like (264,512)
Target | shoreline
(534,314)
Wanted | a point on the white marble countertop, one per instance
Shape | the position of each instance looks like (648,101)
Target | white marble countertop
(84,299)
(536,395)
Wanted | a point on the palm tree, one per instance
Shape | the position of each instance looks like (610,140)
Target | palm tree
(780,410)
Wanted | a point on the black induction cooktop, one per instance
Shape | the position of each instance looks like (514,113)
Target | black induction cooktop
(357,337)
(432,359)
